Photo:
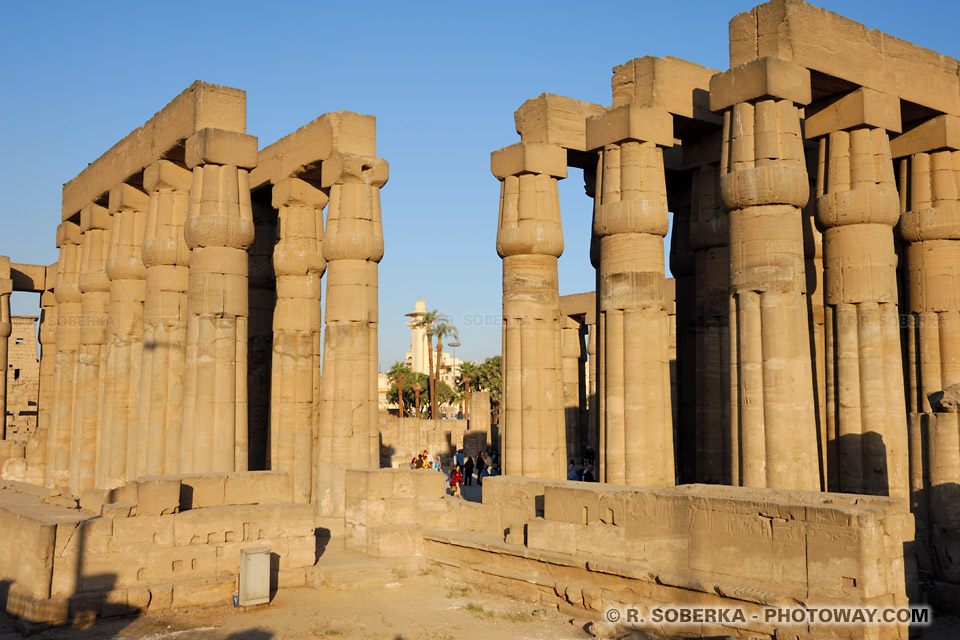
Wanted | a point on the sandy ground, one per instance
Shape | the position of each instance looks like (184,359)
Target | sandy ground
(422,608)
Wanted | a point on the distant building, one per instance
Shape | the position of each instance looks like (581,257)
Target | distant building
(417,358)
(23,378)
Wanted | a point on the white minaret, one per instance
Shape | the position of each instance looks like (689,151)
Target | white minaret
(418,339)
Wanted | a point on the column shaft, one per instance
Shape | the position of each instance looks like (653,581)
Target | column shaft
(119,438)
(352,247)
(857,207)
(166,258)
(764,184)
(297,325)
(67,292)
(529,240)
(95,223)
(218,230)
(631,223)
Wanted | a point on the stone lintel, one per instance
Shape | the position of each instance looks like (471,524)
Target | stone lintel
(677,86)
(823,41)
(529,157)
(942,132)
(630,122)
(200,106)
(299,154)
(94,216)
(218,146)
(580,304)
(294,191)
(757,79)
(556,120)
(29,277)
(124,196)
(860,108)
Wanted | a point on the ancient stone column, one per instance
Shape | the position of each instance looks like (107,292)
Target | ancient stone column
(37,446)
(6,328)
(297,326)
(95,223)
(763,186)
(530,239)
(166,258)
(709,242)
(121,381)
(930,226)
(630,224)
(857,208)
(571,346)
(348,436)
(218,230)
(67,292)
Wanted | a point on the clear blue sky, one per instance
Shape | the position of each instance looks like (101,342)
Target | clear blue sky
(443,80)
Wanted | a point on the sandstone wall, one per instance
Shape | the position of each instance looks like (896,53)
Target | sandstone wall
(159,542)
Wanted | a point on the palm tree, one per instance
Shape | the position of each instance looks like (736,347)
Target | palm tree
(416,389)
(469,373)
(396,374)
(442,330)
(428,321)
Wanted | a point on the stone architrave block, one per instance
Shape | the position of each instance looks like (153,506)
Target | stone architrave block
(760,78)
(630,122)
(529,157)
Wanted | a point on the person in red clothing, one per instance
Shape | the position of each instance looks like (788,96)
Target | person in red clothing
(456,479)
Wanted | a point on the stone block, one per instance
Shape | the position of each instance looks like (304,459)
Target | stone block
(863,107)
(122,196)
(301,552)
(161,596)
(215,590)
(630,122)
(547,535)
(202,490)
(164,174)
(280,521)
(516,534)
(118,510)
(29,277)
(941,132)
(214,525)
(298,154)
(349,167)
(393,542)
(256,487)
(839,47)
(555,120)
(670,84)
(529,157)
(158,495)
(201,105)
(92,500)
(217,146)
(178,564)
(766,77)
(294,191)
(155,530)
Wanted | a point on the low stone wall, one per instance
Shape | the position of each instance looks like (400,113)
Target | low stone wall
(596,546)
(385,510)
(159,542)
(585,547)
(401,439)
